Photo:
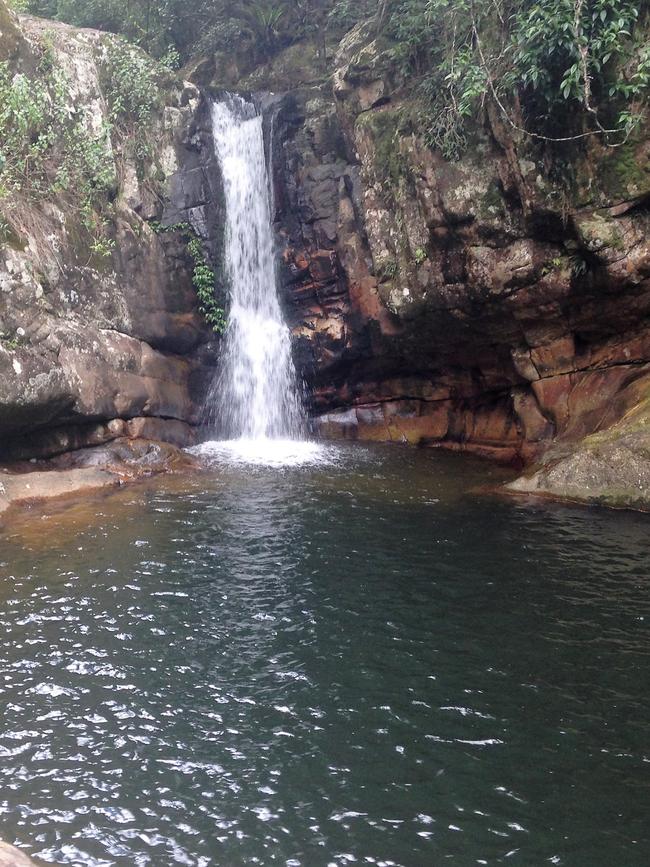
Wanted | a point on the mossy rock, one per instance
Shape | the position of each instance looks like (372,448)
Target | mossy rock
(386,128)
(491,204)
(625,173)
(297,66)
(598,233)
(14,48)
(608,468)
(374,60)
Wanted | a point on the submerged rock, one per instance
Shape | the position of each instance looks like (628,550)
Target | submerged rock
(12,857)
(28,487)
(89,470)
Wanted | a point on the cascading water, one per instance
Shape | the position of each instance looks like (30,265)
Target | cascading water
(256,394)
(255,402)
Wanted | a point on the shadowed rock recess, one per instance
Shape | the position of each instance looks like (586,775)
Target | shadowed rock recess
(471,304)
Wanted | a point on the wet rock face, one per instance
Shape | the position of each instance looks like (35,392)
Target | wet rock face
(466,303)
(86,339)
(195,187)
(329,293)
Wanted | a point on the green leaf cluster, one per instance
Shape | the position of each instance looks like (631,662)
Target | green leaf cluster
(131,83)
(48,147)
(203,279)
(560,69)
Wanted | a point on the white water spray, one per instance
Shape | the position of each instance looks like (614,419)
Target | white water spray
(255,403)
(256,396)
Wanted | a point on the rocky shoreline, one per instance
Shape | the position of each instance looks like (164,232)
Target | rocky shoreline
(470,304)
(73,475)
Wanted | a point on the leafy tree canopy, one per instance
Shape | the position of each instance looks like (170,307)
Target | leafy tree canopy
(195,27)
(558,70)
(554,69)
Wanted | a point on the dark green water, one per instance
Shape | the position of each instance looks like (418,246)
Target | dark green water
(357,664)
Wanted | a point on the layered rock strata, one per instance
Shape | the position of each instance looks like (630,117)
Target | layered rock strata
(473,303)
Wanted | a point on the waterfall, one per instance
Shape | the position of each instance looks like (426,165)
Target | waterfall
(256,395)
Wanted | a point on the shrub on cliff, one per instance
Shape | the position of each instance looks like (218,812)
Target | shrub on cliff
(555,69)
(54,147)
(47,147)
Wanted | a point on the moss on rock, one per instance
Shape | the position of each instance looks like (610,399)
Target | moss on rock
(385,129)
(625,172)
(608,468)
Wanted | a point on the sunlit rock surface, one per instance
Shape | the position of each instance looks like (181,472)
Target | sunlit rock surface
(12,857)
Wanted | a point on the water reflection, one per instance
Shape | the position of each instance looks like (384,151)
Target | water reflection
(359,661)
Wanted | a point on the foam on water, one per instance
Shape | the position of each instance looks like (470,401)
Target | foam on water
(268,452)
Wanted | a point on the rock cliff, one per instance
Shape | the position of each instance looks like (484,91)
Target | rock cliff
(484,303)
(475,304)
(100,335)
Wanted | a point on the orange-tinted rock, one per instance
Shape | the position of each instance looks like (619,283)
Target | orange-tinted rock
(559,356)
(536,428)
(553,398)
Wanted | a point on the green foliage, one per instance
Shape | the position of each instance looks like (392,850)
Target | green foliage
(50,147)
(420,256)
(11,343)
(579,265)
(102,247)
(264,21)
(131,85)
(24,131)
(177,30)
(552,67)
(551,265)
(195,27)
(389,269)
(171,59)
(203,277)
(142,21)
(47,147)
(344,14)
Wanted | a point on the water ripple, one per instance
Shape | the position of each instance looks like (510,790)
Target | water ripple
(353,663)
